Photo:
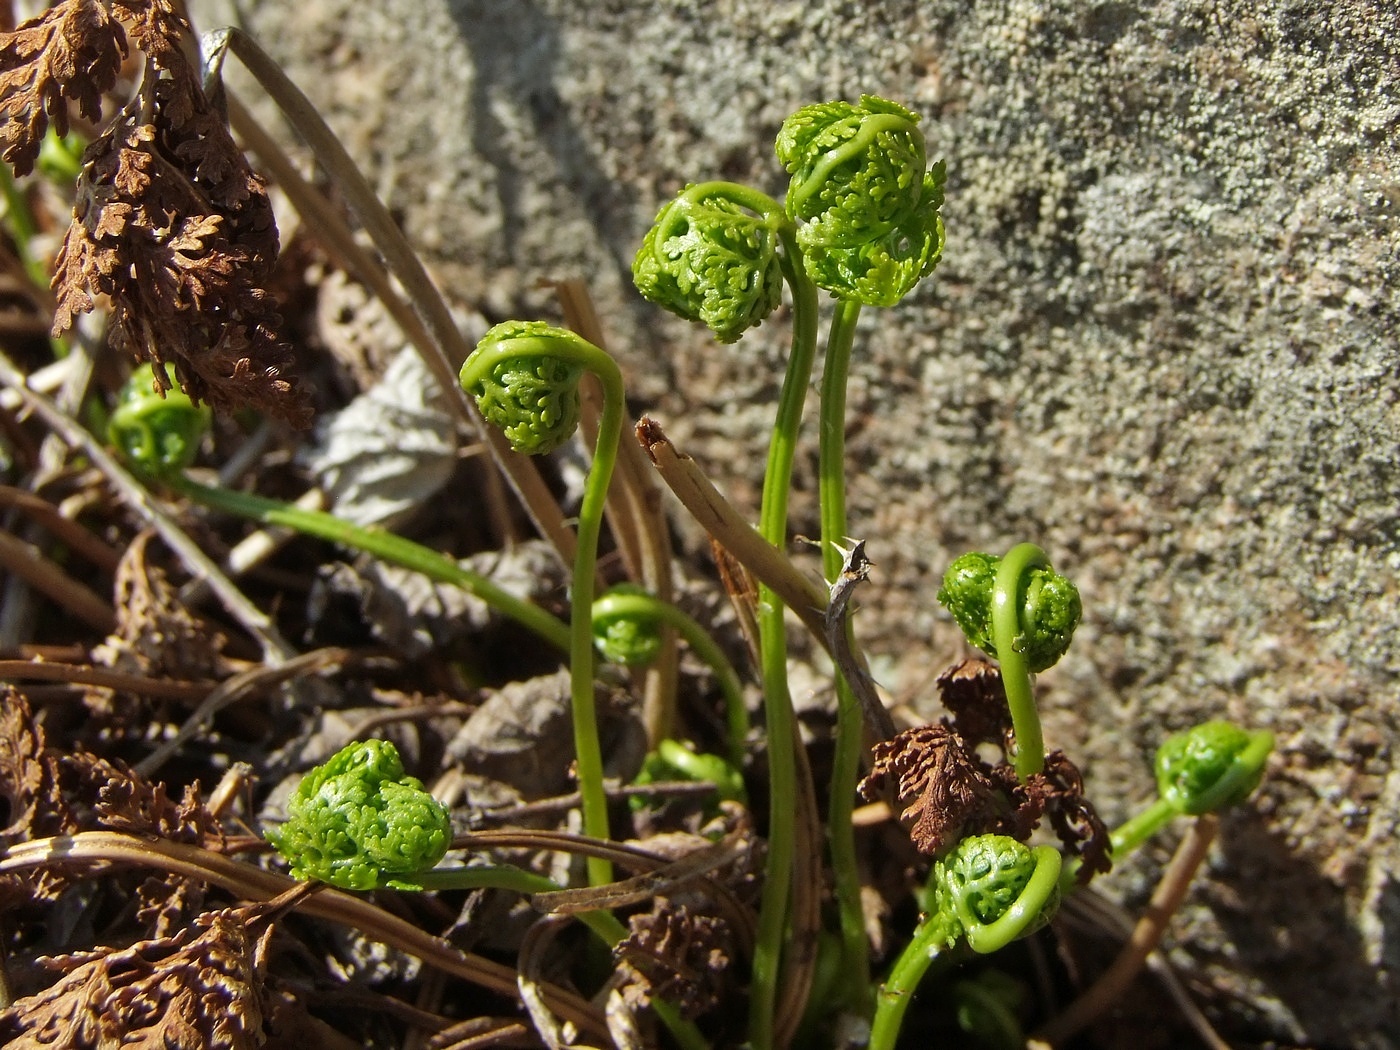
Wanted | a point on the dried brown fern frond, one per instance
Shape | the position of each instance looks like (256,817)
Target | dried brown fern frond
(169,993)
(170,222)
(72,52)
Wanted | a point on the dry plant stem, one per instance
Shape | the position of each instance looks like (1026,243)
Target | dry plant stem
(447,345)
(649,533)
(236,688)
(22,560)
(717,516)
(1146,935)
(254,621)
(333,232)
(88,848)
(1102,915)
(85,674)
(64,529)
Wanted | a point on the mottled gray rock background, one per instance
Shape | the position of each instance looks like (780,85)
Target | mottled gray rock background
(1162,344)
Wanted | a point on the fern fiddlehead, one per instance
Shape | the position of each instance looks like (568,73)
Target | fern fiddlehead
(524,376)
(1021,612)
(627,625)
(989,891)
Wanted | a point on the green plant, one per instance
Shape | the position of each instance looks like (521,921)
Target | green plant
(627,625)
(159,435)
(1023,614)
(359,823)
(988,892)
(524,376)
(1203,769)
(863,222)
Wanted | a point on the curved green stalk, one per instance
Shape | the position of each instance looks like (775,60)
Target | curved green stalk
(956,919)
(386,546)
(1008,632)
(933,943)
(777,702)
(624,604)
(589,752)
(850,726)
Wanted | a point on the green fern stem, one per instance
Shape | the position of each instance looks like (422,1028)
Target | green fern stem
(955,922)
(1008,634)
(590,519)
(777,701)
(386,546)
(850,725)
(623,605)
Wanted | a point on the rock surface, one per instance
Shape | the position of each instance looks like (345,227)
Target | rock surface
(1162,344)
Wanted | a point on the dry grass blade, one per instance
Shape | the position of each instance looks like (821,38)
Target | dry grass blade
(447,344)
(64,529)
(236,688)
(729,529)
(638,888)
(252,883)
(86,674)
(535,949)
(25,561)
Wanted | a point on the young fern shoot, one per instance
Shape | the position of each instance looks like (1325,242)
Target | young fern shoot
(627,624)
(989,891)
(870,229)
(524,376)
(160,436)
(711,256)
(1022,613)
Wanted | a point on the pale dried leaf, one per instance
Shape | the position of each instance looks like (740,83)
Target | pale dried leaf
(390,450)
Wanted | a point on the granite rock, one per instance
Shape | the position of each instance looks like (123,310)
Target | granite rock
(1162,344)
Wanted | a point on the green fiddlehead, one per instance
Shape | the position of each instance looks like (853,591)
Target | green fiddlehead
(627,624)
(870,227)
(990,891)
(1203,769)
(1211,766)
(1020,611)
(531,397)
(524,376)
(712,256)
(159,435)
(358,822)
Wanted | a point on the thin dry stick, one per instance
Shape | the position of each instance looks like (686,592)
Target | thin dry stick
(728,528)
(641,525)
(86,848)
(64,529)
(255,621)
(85,674)
(447,344)
(232,690)
(1100,913)
(1146,935)
(23,560)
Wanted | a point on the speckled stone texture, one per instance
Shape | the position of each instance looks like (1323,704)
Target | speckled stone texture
(1162,344)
